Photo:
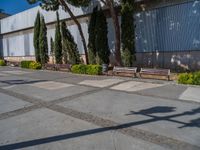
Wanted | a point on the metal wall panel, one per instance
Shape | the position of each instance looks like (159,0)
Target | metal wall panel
(26,45)
(31,47)
(16,46)
(173,28)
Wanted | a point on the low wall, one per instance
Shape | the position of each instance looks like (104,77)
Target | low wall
(176,61)
(21,58)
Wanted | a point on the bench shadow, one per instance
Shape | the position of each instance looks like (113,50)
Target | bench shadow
(192,123)
(153,110)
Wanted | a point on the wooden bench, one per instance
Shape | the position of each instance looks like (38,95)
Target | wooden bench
(125,71)
(156,72)
(63,67)
(50,66)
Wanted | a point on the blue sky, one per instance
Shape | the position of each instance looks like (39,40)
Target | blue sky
(15,6)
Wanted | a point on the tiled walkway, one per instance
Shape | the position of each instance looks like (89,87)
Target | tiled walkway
(55,110)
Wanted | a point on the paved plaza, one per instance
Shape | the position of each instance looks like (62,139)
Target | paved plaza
(49,110)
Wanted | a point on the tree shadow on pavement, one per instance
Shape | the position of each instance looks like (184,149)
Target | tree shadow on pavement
(18,82)
(147,112)
(151,112)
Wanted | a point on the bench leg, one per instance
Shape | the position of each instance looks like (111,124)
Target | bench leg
(140,75)
(168,78)
(135,75)
(115,74)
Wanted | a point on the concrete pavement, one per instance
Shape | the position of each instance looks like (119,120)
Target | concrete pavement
(56,110)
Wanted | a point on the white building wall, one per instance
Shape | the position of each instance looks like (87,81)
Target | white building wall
(4,47)
(22,44)
(14,46)
(26,18)
(32,50)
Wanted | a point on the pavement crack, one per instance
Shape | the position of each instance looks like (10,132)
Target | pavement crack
(113,140)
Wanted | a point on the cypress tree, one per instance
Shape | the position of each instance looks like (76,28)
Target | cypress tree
(101,40)
(52,49)
(70,47)
(36,37)
(74,56)
(128,33)
(64,42)
(43,44)
(58,42)
(92,36)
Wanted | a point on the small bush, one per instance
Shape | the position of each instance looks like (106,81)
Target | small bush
(26,63)
(35,65)
(87,69)
(79,69)
(94,69)
(196,78)
(2,62)
(189,78)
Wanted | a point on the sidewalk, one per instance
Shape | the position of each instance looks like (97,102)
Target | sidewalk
(56,110)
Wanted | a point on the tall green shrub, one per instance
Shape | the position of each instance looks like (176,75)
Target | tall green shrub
(70,47)
(64,42)
(52,52)
(101,40)
(43,44)
(58,42)
(92,36)
(74,56)
(128,33)
(36,37)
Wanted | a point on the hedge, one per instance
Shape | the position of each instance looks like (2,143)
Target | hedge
(30,64)
(2,62)
(189,78)
(93,69)
(87,69)
(26,63)
(79,69)
(35,65)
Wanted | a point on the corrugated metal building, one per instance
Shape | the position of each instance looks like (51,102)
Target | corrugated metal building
(168,36)
(167,33)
